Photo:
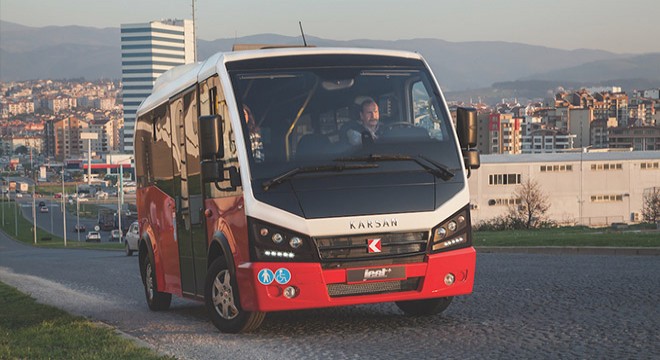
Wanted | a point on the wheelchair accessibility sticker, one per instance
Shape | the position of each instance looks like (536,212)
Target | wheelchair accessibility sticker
(282,276)
(265,276)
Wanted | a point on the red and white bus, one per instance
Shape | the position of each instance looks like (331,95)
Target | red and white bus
(298,216)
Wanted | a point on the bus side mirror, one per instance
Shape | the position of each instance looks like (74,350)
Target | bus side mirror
(466,128)
(210,137)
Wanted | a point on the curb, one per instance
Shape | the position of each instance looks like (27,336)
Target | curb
(571,250)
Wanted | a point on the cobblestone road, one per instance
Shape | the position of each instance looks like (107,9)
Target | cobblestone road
(523,306)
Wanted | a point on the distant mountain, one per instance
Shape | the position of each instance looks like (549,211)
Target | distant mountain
(74,51)
(58,52)
(645,66)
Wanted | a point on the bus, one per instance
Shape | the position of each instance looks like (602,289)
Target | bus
(306,218)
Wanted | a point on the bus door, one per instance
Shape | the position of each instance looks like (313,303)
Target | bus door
(190,232)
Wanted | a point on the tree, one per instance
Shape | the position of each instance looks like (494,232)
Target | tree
(651,206)
(530,206)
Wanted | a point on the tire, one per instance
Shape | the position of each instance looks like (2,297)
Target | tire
(156,300)
(424,307)
(223,303)
(129,252)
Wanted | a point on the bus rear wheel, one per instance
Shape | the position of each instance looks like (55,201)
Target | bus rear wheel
(156,300)
(223,304)
(424,307)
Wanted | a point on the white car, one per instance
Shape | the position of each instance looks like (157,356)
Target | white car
(93,236)
(131,238)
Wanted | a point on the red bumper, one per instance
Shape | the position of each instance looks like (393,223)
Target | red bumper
(313,283)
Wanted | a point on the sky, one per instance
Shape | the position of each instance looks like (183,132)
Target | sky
(613,25)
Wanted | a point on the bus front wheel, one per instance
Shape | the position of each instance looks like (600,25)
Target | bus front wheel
(223,304)
(424,307)
(156,300)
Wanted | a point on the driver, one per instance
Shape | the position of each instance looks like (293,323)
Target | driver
(368,129)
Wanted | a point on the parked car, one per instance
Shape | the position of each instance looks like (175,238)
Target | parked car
(93,236)
(80,228)
(43,209)
(131,238)
(58,195)
(115,235)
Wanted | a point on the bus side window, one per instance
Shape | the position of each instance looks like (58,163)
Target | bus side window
(218,105)
(425,112)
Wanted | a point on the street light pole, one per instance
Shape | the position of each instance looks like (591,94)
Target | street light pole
(120,194)
(34,200)
(78,212)
(63,206)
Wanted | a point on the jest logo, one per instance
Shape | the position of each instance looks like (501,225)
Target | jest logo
(370,274)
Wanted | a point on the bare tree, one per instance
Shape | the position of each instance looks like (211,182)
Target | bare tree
(530,207)
(651,207)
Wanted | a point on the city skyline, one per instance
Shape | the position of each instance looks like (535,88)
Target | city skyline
(562,24)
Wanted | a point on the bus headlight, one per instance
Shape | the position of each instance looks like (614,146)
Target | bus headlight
(269,242)
(453,233)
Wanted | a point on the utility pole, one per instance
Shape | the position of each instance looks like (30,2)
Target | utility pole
(34,200)
(78,212)
(63,206)
(194,31)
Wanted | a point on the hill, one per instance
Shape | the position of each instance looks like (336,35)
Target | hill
(74,51)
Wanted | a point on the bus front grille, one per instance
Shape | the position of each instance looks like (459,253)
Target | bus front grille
(356,248)
(337,290)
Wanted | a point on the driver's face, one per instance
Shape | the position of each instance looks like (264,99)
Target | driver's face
(369,115)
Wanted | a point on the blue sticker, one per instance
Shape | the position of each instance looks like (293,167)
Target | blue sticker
(265,276)
(282,276)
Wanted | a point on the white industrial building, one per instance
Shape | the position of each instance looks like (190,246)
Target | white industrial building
(588,188)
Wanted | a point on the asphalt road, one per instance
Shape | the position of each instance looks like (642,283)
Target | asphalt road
(51,221)
(523,306)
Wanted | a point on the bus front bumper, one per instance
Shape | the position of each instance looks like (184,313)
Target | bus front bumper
(264,286)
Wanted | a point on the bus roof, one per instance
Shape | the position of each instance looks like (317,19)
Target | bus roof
(182,77)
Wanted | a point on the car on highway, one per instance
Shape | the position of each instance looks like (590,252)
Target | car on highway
(115,235)
(131,238)
(43,209)
(93,236)
(42,203)
(80,228)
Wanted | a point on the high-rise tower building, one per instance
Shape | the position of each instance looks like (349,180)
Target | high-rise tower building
(147,51)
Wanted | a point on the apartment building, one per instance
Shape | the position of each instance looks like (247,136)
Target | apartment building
(505,136)
(65,140)
(638,138)
(590,188)
(547,141)
(147,51)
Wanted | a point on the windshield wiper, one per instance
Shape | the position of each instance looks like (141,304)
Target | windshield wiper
(312,169)
(432,166)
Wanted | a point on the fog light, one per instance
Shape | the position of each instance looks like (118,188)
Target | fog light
(277,238)
(295,242)
(290,292)
(449,279)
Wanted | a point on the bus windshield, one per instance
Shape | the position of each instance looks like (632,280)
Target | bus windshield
(297,118)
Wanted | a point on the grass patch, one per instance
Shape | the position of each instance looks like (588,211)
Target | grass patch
(29,330)
(25,227)
(87,209)
(51,189)
(572,236)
